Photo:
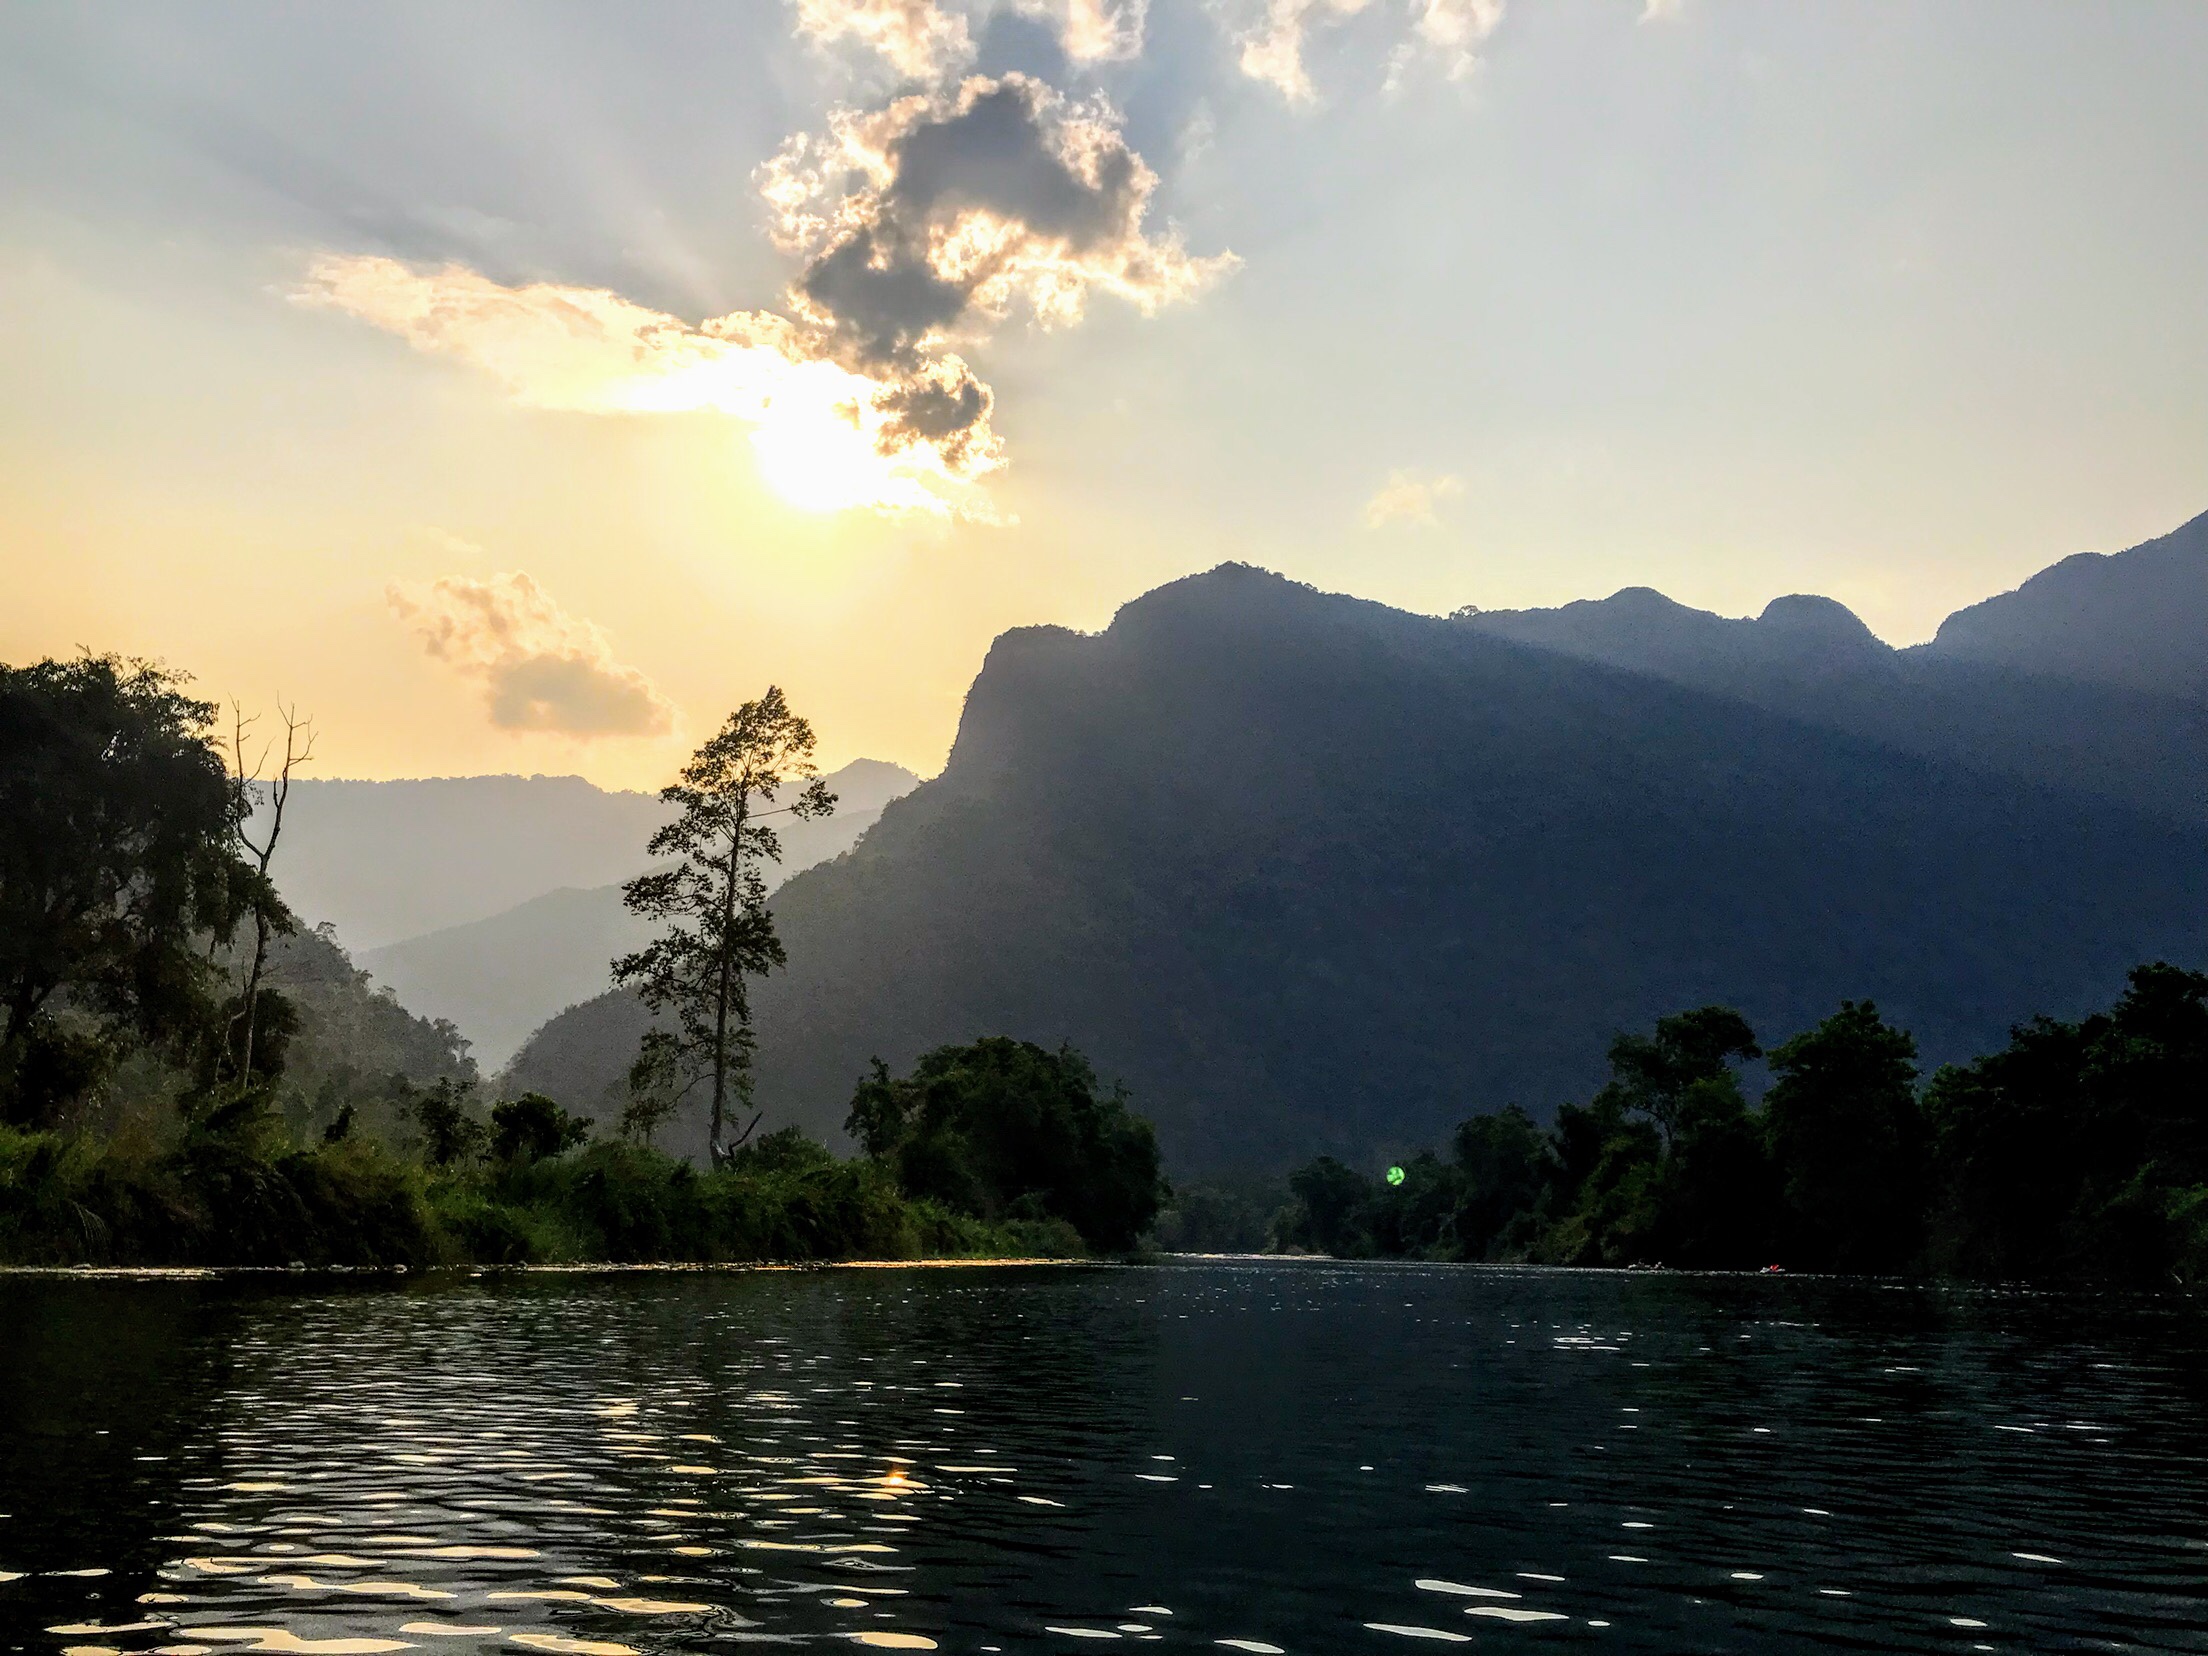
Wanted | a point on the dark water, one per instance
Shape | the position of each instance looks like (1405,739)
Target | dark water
(1309,1457)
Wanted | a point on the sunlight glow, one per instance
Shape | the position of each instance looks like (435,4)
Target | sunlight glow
(823,438)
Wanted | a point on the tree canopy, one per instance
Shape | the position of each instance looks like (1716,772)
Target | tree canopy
(1004,1128)
(2077,1150)
(118,861)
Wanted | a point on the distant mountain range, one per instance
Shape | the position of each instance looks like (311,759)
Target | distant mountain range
(1308,872)
(2093,675)
(495,901)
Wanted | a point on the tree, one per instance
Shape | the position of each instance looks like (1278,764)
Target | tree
(647,1109)
(1329,1196)
(1848,1141)
(244,1045)
(1653,1074)
(1642,1163)
(1507,1168)
(118,862)
(532,1128)
(1715,1196)
(1006,1129)
(2079,1148)
(451,1132)
(714,904)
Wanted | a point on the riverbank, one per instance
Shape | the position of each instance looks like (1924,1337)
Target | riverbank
(211,1202)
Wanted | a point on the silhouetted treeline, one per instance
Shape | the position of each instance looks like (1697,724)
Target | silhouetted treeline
(188,1077)
(1003,1129)
(518,1183)
(2078,1150)
(998,1149)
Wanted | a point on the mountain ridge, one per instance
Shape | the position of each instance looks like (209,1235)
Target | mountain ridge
(1310,872)
(2114,733)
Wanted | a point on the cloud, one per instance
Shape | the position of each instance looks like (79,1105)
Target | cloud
(1408,498)
(542,668)
(1272,50)
(1450,31)
(1662,11)
(1095,31)
(919,38)
(920,227)
(929,221)
(825,437)
(927,42)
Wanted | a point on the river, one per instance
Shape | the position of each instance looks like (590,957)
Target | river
(1247,1456)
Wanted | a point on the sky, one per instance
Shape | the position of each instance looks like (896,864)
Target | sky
(518,387)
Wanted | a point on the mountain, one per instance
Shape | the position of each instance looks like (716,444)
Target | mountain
(1311,873)
(2137,619)
(353,1034)
(499,977)
(381,861)
(2023,683)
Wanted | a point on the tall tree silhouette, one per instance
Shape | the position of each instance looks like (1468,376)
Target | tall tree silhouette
(714,903)
(244,1043)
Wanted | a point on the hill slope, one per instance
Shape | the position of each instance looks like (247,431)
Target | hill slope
(2138,619)
(499,978)
(1306,871)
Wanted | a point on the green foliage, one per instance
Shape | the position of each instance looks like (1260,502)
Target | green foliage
(117,861)
(352,1033)
(532,1128)
(1003,1129)
(212,1200)
(1220,1217)
(2078,1150)
(50,1064)
(122,996)
(163,1101)
(1507,1168)
(712,900)
(654,1095)
(1716,1203)
(1848,1143)
(1331,1198)
(215,1200)
(1654,1075)
(451,1131)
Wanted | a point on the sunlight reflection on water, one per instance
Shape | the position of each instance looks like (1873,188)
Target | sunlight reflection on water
(611,1466)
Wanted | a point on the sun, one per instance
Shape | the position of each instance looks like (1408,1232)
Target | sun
(816,458)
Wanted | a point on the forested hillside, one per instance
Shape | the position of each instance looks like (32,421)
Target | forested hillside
(1305,872)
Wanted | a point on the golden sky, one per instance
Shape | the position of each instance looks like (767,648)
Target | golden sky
(518,389)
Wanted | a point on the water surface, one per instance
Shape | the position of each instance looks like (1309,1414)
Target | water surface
(1250,1456)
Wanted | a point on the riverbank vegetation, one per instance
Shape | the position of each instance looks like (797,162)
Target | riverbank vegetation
(219,1200)
(188,1076)
(982,1153)
(2078,1151)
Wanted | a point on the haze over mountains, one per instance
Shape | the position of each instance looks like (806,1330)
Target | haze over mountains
(1308,872)
(495,901)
